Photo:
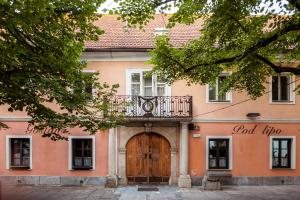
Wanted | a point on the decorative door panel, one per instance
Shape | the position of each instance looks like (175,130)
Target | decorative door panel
(148,159)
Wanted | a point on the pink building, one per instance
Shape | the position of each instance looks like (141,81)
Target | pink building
(174,134)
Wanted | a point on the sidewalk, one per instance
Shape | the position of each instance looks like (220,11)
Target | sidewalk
(291,192)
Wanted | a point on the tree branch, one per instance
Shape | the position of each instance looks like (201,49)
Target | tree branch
(174,60)
(238,23)
(160,3)
(266,41)
(276,68)
(260,44)
(295,3)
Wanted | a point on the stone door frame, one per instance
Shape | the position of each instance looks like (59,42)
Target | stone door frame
(126,133)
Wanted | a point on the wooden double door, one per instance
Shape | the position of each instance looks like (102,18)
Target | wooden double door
(148,159)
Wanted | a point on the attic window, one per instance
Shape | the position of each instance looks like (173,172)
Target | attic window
(161,31)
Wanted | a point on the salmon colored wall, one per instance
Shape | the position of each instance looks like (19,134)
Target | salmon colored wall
(114,72)
(250,152)
(50,158)
(260,105)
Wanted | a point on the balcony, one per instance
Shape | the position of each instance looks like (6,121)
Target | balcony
(154,108)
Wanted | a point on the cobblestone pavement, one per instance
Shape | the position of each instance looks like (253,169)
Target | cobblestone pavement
(165,193)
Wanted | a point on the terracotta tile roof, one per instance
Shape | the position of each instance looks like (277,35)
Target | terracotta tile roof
(116,36)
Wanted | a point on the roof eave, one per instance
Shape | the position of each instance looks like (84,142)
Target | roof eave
(97,49)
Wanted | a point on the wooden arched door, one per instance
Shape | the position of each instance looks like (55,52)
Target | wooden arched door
(148,159)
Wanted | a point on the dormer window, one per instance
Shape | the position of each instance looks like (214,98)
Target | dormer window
(161,31)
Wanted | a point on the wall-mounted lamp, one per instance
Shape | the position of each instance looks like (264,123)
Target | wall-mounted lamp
(253,115)
(194,127)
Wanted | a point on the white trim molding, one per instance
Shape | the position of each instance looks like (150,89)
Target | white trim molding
(14,119)
(266,120)
(8,150)
(70,151)
(89,71)
(115,56)
(293,150)
(230,160)
(195,120)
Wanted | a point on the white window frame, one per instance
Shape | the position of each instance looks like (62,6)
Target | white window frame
(70,150)
(228,93)
(130,71)
(8,148)
(293,151)
(292,90)
(230,160)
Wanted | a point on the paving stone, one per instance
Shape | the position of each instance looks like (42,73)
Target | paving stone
(280,192)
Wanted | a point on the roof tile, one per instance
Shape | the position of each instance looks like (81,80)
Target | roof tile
(118,36)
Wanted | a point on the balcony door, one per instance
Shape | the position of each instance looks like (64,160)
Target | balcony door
(140,83)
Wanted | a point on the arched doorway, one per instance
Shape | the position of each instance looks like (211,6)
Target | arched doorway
(148,159)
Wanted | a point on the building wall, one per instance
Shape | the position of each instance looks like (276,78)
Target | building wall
(114,72)
(250,151)
(50,158)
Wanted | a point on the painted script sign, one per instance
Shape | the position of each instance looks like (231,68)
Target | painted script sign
(31,130)
(242,130)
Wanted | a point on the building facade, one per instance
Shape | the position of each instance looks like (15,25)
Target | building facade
(173,134)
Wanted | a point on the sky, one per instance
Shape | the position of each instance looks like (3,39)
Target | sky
(109,4)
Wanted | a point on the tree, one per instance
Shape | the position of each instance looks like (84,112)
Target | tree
(251,38)
(41,42)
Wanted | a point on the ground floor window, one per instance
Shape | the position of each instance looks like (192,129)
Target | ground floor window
(218,153)
(82,153)
(19,152)
(281,153)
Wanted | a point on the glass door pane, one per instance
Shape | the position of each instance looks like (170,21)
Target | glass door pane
(284,87)
(275,96)
(148,84)
(221,97)
(160,87)
(135,84)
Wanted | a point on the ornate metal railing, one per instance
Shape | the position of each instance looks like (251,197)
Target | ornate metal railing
(153,106)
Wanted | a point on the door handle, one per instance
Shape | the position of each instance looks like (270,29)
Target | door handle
(150,157)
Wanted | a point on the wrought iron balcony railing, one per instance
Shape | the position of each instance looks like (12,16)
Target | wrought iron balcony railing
(169,107)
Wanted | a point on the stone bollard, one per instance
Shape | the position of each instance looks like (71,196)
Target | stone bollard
(212,179)
(211,183)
